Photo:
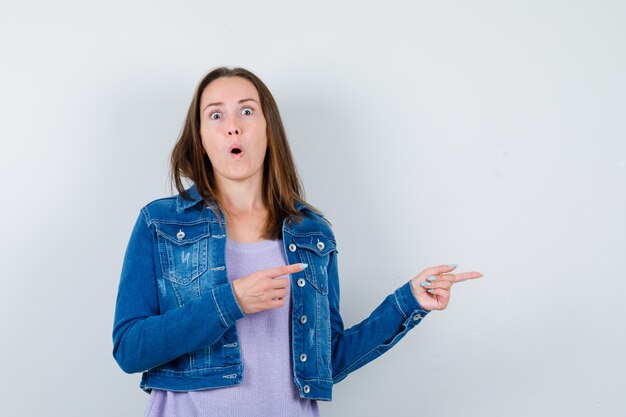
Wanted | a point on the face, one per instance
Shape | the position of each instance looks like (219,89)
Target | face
(231,118)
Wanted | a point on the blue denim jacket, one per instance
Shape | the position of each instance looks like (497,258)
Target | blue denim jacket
(176,310)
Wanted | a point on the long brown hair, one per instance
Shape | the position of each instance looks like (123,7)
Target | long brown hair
(281,183)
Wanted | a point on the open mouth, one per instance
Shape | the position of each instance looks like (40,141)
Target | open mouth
(236,151)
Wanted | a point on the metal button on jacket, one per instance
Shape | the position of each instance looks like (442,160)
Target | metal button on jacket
(303,357)
(301,282)
(292,247)
(180,235)
(303,319)
(306,389)
(417,317)
(320,245)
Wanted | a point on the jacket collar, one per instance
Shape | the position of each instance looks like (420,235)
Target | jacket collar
(182,204)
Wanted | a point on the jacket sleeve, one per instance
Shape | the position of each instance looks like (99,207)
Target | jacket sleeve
(142,337)
(386,325)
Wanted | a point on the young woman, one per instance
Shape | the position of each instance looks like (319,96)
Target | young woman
(228,301)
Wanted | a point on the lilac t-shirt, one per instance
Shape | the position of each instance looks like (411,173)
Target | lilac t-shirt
(268,388)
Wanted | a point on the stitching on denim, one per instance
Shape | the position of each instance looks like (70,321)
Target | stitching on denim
(146,215)
(203,257)
(313,380)
(309,273)
(395,297)
(181,222)
(169,260)
(198,289)
(318,330)
(218,308)
(172,197)
(310,234)
(189,241)
(179,299)
(162,254)
(329,336)
(218,268)
(178,211)
(322,368)
(349,368)
(230,384)
(193,371)
(195,273)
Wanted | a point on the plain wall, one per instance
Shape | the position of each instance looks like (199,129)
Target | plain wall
(487,133)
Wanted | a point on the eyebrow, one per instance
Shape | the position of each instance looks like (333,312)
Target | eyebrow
(220,103)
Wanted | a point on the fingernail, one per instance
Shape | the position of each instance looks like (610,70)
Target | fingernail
(431,278)
(431,290)
(454,265)
(302,266)
(425,284)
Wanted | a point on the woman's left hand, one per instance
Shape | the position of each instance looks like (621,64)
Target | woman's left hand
(440,282)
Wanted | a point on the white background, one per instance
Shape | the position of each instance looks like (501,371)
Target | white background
(487,133)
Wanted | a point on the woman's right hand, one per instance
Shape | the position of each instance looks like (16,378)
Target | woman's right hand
(264,289)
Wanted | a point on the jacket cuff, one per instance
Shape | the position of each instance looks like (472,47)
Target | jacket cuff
(226,304)
(408,304)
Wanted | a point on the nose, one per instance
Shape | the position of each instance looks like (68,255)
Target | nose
(232,128)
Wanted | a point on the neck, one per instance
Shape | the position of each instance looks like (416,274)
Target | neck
(242,198)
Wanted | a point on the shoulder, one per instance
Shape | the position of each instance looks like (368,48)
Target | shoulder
(313,232)
(313,222)
(164,208)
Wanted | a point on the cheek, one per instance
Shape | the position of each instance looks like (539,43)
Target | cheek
(210,150)
(262,136)
(261,145)
(207,138)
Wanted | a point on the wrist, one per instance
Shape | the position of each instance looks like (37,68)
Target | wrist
(235,285)
(413,287)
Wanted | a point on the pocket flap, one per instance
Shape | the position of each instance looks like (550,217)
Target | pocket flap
(318,243)
(182,234)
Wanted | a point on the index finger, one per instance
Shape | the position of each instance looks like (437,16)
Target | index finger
(463,276)
(285,269)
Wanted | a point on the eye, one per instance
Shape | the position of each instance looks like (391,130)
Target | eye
(213,114)
(249,109)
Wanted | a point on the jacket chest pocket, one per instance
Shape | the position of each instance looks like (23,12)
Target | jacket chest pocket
(183,250)
(314,250)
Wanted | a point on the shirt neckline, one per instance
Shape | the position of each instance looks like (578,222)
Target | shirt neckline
(248,247)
